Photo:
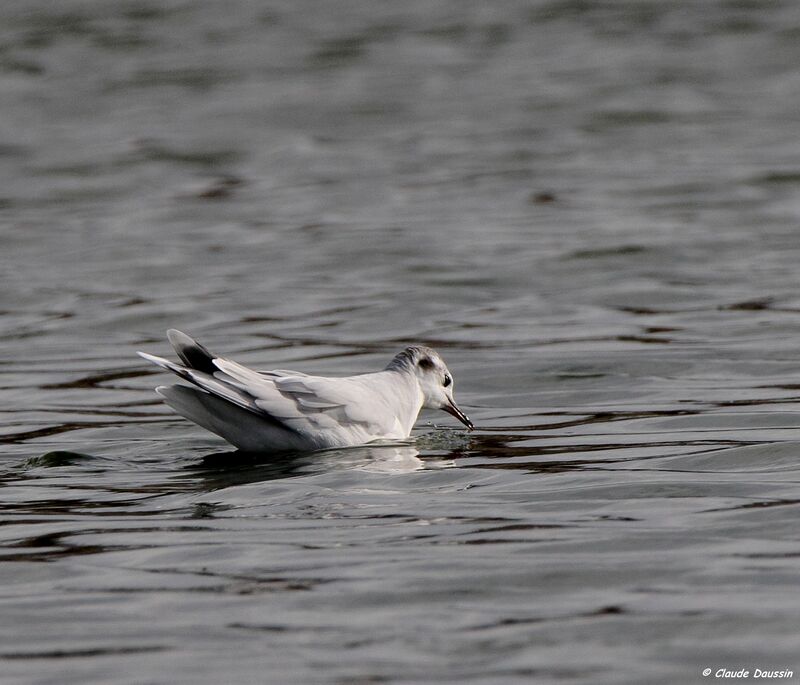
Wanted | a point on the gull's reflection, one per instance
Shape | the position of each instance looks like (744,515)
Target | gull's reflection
(381,459)
(225,469)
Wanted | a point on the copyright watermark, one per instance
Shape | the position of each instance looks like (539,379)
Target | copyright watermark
(748,673)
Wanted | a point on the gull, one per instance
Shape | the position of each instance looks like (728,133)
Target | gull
(283,410)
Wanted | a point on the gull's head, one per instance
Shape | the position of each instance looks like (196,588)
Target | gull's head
(434,379)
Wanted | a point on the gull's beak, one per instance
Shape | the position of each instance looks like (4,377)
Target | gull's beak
(451,408)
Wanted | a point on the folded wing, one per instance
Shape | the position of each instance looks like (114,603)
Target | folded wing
(311,403)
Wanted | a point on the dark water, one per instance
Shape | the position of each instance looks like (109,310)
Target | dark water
(590,208)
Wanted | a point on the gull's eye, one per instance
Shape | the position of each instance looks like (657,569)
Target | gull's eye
(447,380)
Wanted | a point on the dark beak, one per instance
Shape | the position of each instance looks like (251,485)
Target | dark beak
(460,415)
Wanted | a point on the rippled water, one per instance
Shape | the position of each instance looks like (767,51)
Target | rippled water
(591,209)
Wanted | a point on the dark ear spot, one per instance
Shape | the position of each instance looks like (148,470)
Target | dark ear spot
(425,363)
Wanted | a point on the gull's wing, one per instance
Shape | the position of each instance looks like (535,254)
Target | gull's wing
(212,385)
(314,403)
(279,373)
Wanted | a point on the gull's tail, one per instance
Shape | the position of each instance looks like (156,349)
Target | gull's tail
(217,402)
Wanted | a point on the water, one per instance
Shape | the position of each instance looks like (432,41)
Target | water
(590,209)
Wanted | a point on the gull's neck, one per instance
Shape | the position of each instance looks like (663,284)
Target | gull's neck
(406,397)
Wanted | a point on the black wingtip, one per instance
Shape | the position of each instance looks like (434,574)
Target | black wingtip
(191,352)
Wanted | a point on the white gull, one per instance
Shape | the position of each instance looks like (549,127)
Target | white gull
(288,410)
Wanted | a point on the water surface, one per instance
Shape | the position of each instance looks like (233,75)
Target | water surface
(589,208)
